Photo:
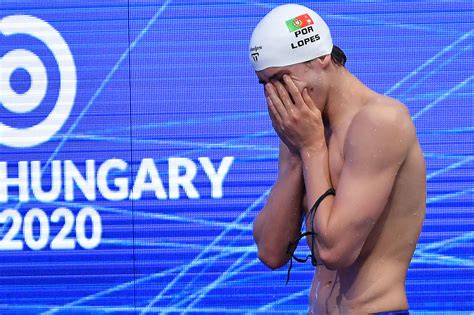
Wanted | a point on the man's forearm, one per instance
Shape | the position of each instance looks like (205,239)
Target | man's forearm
(279,222)
(317,181)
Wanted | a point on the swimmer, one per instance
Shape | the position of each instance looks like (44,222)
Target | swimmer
(349,162)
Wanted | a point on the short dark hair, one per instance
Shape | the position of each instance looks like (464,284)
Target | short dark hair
(338,56)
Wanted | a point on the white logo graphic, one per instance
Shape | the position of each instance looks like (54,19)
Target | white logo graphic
(32,98)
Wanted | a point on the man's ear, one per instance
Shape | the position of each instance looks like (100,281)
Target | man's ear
(324,61)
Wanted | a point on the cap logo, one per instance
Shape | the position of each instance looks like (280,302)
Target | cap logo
(254,52)
(299,22)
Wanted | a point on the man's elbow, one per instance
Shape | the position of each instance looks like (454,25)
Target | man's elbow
(271,259)
(334,259)
(272,256)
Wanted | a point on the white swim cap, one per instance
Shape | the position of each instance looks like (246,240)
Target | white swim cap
(287,35)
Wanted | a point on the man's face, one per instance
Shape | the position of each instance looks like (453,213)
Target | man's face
(276,74)
(302,75)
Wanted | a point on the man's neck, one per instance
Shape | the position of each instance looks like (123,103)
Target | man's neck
(345,98)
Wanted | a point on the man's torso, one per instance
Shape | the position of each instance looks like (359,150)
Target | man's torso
(376,281)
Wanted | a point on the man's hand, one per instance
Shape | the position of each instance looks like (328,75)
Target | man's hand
(295,117)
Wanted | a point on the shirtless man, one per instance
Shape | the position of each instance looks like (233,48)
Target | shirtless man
(337,133)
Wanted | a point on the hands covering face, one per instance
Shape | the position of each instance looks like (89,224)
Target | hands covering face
(295,117)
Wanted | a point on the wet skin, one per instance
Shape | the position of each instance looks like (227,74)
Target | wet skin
(364,145)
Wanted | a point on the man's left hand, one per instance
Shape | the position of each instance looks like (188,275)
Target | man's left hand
(296,119)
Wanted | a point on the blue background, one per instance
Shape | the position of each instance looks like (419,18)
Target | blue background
(160,79)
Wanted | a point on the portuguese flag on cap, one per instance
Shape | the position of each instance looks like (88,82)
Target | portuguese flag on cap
(299,22)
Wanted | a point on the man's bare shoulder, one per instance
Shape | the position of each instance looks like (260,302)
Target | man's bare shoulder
(382,125)
(383,110)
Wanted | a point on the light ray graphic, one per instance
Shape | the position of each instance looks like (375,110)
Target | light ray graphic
(183,295)
(431,95)
(119,287)
(126,285)
(155,309)
(448,243)
(180,143)
(372,21)
(227,274)
(436,70)
(220,249)
(266,308)
(201,293)
(462,130)
(450,167)
(152,215)
(449,196)
(215,241)
(428,62)
(445,156)
(442,260)
(442,97)
(191,121)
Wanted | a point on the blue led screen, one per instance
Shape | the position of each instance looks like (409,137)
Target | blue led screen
(136,150)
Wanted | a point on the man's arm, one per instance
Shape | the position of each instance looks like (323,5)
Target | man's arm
(279,222)
(377,143)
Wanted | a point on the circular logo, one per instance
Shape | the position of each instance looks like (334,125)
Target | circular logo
(21,103)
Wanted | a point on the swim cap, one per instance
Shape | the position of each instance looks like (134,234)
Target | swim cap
(287,35)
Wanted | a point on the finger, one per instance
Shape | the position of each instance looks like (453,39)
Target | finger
(274,115)
(309,102)
(283,94)
(276,101)
(293,90)
(276,120)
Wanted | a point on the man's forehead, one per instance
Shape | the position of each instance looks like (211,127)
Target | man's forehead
(272,73)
